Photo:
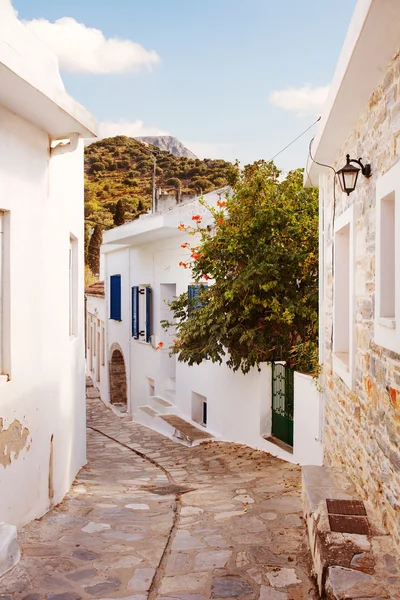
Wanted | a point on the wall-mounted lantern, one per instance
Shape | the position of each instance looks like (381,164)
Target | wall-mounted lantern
(348,175)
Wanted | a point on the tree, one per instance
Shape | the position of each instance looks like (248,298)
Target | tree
(93,251)
(119,215)
(261,256)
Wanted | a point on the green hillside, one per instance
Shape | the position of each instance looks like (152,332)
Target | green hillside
(121,168)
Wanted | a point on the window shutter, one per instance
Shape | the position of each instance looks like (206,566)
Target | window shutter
(135,312)
(148,314)
(115,297)
(193,293)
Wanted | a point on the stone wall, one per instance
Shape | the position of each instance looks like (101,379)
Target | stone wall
(362,427)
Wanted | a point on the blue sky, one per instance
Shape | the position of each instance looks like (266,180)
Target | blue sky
(230,78)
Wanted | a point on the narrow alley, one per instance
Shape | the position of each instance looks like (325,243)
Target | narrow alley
(150,518)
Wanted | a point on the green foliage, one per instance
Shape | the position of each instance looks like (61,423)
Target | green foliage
(121,168)
(174,182)
(262,259)
(96,167)
(119,215)
(93,251)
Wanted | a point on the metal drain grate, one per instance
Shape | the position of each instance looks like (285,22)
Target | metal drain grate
(348,516)
(349,524)
(167,490)
(346,507)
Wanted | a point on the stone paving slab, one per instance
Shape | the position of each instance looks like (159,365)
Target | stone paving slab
(238,533)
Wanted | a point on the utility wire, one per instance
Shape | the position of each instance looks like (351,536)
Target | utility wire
(295,140)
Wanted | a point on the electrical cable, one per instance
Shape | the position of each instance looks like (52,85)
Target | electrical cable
(295,140)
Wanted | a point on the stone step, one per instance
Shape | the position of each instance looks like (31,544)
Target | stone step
(186,431)
(161,404)
(148,410)
(340,532)
(160,400)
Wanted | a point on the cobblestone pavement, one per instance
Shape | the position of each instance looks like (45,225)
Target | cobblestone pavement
(148,518)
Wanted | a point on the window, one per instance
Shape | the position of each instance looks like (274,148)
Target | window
(199,409)
(343,298)
(194,299)
(142,317)
(115,297)
(73,285)
(387,260)
(4,298)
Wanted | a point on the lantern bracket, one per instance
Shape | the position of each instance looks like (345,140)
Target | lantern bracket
(365,169)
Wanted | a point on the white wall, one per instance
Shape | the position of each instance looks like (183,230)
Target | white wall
(96,354)
(46,391)
(238,406)
(309,449)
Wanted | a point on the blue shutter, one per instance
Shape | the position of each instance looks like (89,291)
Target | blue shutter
(115,297)
(135,312)
(148,314)
(193,293)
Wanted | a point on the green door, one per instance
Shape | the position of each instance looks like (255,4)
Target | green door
(282,403)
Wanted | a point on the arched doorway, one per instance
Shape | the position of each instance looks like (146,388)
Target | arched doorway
(118,386)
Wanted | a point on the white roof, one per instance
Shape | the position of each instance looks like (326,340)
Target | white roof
(371,42)
(158,226)
(31,86)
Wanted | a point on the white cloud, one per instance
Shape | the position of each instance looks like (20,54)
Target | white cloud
(85,49)
(207,150)
(131,128)
(302,100)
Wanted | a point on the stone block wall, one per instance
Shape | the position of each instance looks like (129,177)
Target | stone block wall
(362,427)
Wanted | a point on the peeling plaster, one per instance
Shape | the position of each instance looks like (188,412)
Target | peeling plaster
(12,440)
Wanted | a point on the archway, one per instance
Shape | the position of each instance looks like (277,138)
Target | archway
(118,386)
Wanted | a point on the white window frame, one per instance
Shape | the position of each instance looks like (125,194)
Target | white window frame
(343,363)
(142,312)
(387,327)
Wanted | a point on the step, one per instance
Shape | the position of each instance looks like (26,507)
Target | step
(148,410)
(186,431)
(171,384)
(340,531)
(147,416)
(170,393)
(161,405)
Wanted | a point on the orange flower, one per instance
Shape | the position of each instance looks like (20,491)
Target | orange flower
(220,221)
(221,203)
(182,264)
(185,245)
(206,277)
(196,218)
(181,227)
(195,256)
(159,345)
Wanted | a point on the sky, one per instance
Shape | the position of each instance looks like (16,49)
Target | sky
(232,79)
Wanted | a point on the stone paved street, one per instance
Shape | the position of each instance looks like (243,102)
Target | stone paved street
(149,518)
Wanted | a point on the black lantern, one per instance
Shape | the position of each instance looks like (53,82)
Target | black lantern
(348,175)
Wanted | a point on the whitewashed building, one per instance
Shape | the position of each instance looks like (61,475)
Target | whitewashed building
(140,265)
(42,366)
(360,257)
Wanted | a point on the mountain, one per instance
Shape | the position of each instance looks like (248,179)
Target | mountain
(169,144)
(121,168)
